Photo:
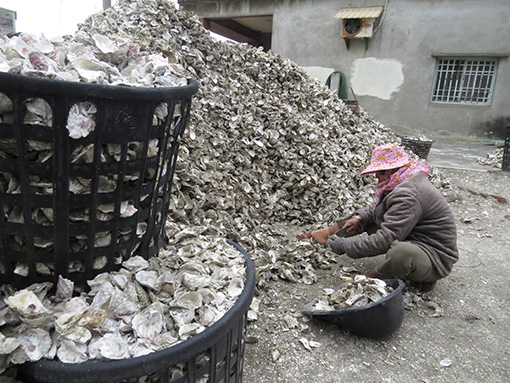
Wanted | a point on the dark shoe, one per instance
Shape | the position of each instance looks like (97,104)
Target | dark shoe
(424,286)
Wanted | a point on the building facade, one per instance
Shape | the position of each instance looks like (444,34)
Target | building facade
(7,21)
(428,65)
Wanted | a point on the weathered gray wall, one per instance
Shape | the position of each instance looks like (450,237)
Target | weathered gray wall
(7,21)
(412,31)
(393,78)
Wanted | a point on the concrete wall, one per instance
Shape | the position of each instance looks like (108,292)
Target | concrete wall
(393,78)
(7,21)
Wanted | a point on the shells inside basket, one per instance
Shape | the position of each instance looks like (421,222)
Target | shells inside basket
(353,292)
(146,306)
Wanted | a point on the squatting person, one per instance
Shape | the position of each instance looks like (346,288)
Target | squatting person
(409,221)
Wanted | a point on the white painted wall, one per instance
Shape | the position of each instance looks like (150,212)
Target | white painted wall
(379,78)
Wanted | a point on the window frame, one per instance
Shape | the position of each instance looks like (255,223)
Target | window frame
(471,77)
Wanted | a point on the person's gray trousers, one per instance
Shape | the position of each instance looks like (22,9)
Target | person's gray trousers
(403,260)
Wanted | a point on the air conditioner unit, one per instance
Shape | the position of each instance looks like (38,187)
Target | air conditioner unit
(358,23)
(358,28)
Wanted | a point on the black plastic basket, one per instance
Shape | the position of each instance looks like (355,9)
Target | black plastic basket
(215,355)
(68,224)
(505,164)
(419,147)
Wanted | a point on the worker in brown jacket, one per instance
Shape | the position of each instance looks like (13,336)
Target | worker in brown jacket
(409,220)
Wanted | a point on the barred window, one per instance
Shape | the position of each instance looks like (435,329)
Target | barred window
(464,80)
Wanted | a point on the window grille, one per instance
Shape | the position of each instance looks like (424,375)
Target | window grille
(464,80)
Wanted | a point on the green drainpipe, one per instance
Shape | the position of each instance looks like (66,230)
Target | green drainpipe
(342,89)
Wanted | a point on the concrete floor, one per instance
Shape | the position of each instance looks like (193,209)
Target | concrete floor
(456,152)
(459,155)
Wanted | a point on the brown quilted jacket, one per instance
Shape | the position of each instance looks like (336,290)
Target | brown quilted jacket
(414,211)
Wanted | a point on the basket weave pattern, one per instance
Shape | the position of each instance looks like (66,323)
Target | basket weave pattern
(419,147)
(141,178)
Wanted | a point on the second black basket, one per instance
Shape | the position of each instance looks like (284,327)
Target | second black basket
(419,147)
(216,355)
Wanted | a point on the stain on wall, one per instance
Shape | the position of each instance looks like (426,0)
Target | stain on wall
(496,128)
(376,77)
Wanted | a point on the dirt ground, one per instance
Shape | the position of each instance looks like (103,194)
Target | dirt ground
(459,332)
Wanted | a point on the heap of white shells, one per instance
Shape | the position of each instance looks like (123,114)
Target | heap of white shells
(144,307)
(267,149)
(102,60)
(494,159)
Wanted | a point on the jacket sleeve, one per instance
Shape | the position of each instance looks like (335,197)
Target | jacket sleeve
(401,215)
(366,215)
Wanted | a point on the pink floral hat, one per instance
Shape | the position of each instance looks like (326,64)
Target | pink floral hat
(389,156)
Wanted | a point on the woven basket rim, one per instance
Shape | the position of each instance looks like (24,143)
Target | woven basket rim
(415,139)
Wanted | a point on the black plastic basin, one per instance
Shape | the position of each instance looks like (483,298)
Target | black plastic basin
(375,320)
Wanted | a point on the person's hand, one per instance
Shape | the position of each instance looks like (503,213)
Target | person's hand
(337,244)
(352,223)
(320,236)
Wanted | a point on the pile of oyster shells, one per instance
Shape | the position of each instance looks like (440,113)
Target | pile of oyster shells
(353,292)
(144,307)
(494,159)
(103,59)
(268,150)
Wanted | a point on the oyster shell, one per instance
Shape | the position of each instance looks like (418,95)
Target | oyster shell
(28,306)
(148,323)
(38,112)
(65,288)
(148,279)
(71,352)
(188,330)
(195,281)
(8,344)
(81,119)
(235,288)
(35,343)
(113,346)
(189,300)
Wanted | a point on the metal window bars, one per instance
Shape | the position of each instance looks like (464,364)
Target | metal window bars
(464,80)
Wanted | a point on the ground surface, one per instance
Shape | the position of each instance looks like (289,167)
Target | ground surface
(469,343)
